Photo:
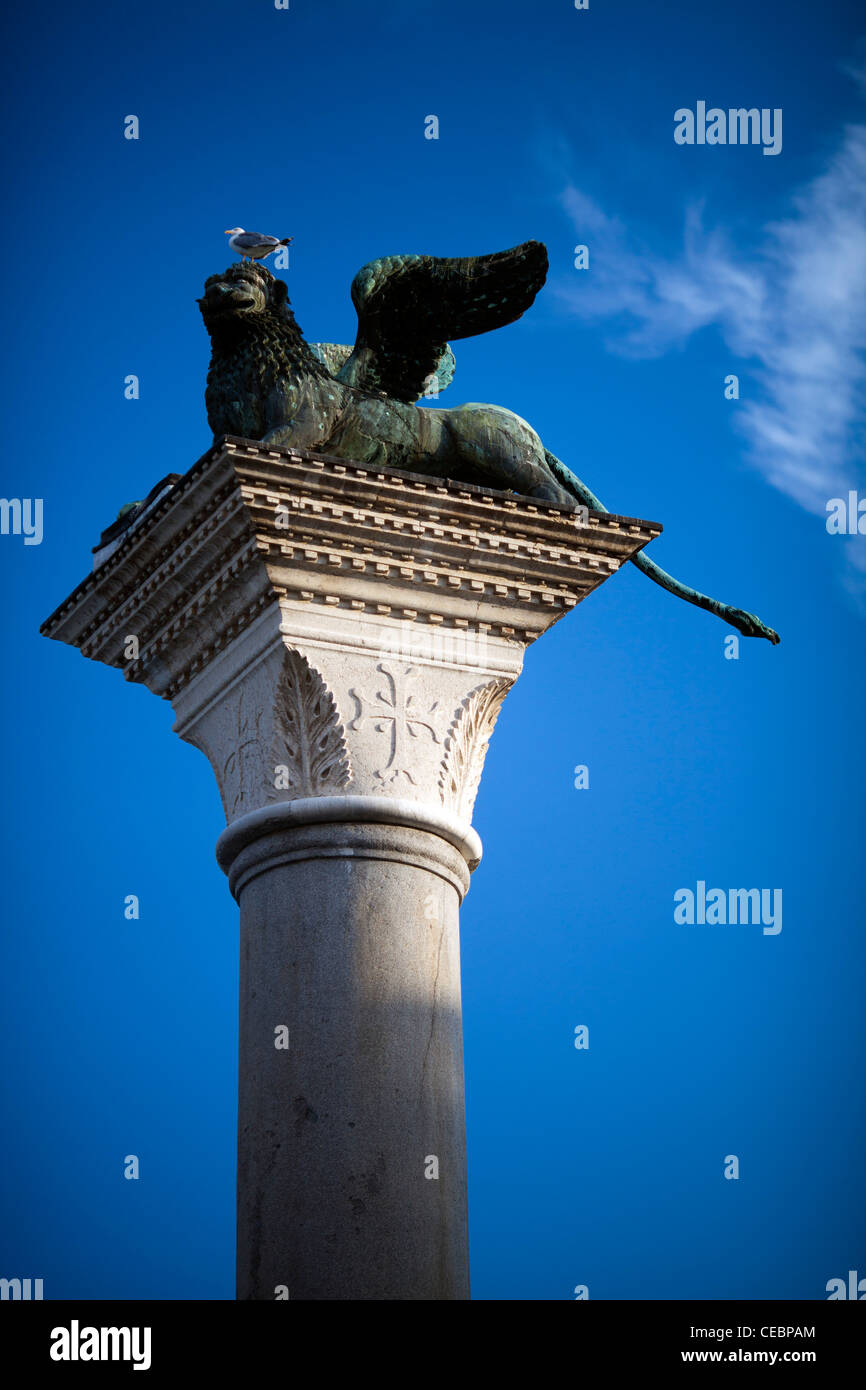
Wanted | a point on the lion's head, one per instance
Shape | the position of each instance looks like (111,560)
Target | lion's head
(241,293)
(257,351)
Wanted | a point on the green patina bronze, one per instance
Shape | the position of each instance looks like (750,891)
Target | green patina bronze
(265,382)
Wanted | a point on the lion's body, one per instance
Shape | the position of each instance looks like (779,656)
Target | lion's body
(265,382)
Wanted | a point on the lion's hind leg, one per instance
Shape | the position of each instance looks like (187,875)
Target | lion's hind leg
(505,449)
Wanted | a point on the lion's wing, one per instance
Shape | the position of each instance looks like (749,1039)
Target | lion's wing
(334,356)
(410,306)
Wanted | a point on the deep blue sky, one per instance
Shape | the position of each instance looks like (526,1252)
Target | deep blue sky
(601,1167)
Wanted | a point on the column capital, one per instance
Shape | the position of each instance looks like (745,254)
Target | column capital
(325,630)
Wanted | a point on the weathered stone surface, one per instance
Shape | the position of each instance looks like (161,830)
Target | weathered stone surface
(349,937)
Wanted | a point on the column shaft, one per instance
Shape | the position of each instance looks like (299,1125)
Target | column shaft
(351,1141)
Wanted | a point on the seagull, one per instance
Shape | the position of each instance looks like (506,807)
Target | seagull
(254,244)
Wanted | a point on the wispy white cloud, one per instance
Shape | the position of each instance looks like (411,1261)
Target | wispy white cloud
(855,68)
(794,308)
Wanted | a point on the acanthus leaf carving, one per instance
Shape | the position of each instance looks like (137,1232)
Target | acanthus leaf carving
(309,737)
(466,746)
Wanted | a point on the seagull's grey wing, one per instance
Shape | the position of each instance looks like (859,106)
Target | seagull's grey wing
(253,239)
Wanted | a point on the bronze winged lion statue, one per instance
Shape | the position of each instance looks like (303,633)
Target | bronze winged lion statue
(267,383)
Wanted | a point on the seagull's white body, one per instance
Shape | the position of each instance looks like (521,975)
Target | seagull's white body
(256,245)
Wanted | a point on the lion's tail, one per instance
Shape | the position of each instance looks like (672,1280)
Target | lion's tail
(746,623)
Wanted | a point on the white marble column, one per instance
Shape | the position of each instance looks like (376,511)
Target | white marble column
(338,642)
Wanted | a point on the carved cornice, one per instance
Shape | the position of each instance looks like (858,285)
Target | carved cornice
(250,525)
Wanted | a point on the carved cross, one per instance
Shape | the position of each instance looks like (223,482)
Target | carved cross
(398,714)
